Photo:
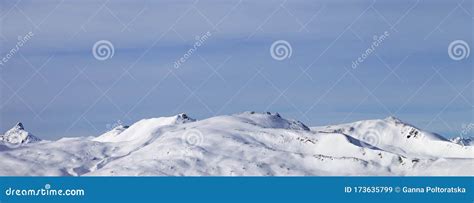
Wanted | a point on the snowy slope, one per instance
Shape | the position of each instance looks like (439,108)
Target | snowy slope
(113,134)
(395,136)
(248,143)
(141,129)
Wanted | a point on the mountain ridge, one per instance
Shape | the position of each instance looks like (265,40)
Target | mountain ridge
(247,143)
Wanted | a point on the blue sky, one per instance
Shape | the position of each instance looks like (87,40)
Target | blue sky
(56,87)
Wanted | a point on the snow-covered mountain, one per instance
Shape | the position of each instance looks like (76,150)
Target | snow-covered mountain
(393,135)
(465,141)
(140,129)
(247,143)
(17,136)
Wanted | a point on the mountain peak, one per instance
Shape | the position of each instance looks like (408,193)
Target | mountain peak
(394,120)
(184,117)
(142,129)
(272,120)
(464,141)
(18,135)
(19,126)
(120,127)
(248,113)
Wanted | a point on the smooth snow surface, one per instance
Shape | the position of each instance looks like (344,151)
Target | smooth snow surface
(249,143)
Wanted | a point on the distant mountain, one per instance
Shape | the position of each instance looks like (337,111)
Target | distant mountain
(17,136)
(465,141)
(249,143)
(393,135)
